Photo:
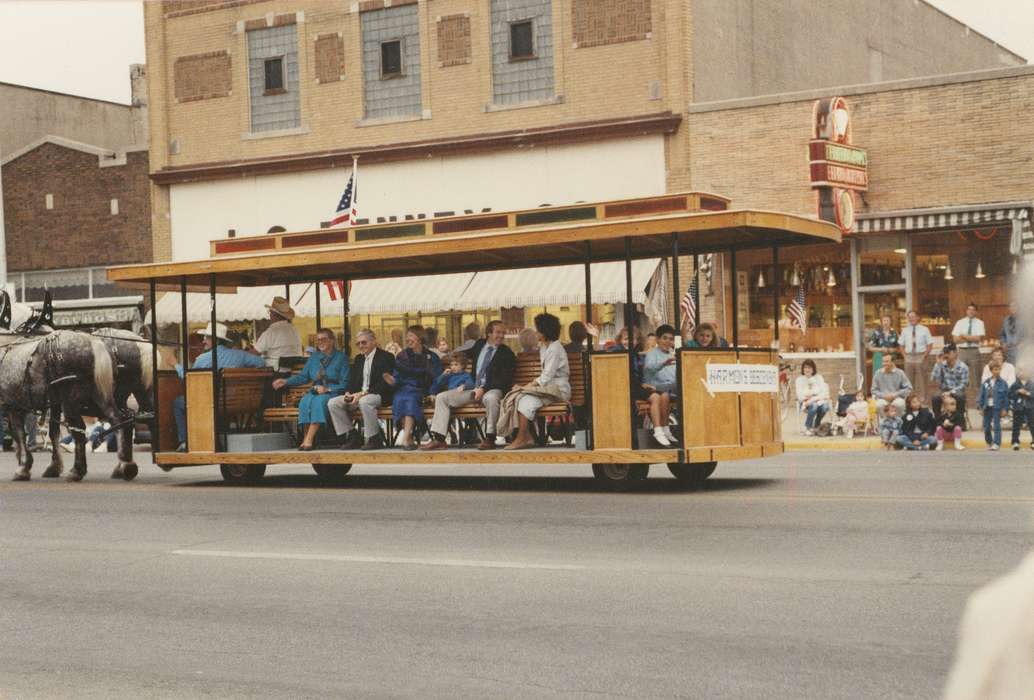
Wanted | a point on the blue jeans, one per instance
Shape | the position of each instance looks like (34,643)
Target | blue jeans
(816,412)
(179,411)
(993,419)
(906,441)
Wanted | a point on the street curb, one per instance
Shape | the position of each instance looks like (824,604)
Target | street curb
(872,443)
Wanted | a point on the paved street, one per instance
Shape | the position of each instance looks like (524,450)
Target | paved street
(813,575)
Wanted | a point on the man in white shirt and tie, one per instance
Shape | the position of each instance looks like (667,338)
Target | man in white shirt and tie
(916,342)
(968,333)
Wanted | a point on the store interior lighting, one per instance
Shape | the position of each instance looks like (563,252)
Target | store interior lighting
(980,271)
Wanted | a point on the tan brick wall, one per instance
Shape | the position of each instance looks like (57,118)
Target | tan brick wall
(601,22)
(942,145)
(202,76)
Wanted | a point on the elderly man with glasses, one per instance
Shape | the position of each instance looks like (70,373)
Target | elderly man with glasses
(367,391)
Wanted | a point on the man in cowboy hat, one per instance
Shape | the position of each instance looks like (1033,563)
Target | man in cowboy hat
(281,339)
(228,357)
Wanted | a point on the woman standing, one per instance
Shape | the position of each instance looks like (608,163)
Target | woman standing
(553,384)
(883,339)
(812,395)
(416,368)
(327,369)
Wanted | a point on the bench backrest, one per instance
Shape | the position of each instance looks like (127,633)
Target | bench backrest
(529,367)
(242,390)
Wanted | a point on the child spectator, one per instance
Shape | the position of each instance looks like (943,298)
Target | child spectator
(857,413)
(1021,395)
(455,377)
(949,422)
(890,427)
(994,403)
(918,426)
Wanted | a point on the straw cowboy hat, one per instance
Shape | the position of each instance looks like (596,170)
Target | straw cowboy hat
(221,332)
(281,307)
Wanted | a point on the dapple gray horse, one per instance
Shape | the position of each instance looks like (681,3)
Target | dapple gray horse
(133,377)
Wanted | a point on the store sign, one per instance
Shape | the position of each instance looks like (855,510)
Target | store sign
(725,378)
(838,168)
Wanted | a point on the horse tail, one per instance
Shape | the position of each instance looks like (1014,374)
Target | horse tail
(146,365)
(103,376)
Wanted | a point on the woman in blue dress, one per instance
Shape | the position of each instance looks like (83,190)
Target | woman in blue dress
(416,368)
(327,369)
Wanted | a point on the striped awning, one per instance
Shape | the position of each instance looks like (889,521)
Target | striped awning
(1015,214)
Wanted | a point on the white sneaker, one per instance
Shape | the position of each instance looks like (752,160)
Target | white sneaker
(809,432)
(68,446)
(668,434)
(996,447)
(958,444)
(940,445)
(992,448)
(659,436)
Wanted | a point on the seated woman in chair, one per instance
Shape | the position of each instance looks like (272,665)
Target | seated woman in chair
(327,369)
(416,368)
(521,405)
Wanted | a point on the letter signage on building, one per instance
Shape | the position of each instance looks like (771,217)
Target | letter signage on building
(838,168)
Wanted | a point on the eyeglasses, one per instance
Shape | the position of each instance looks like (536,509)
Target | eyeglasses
(322,339)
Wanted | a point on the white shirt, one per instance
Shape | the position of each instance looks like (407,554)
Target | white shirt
(281,339)
(915,339)
(962,327)
(1008,373)
(368,368)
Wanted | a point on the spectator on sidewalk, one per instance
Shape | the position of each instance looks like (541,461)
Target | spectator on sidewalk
(812,396)
(1021,396)
(883,339)
(916,342)
(1008,369)
(952,376)
(890,385)
(856,415)
(890,427)
(1012,333)
(949,422)
(993,401)
(918,426)
(968,333)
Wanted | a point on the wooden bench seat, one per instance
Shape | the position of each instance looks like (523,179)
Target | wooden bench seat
(240,397)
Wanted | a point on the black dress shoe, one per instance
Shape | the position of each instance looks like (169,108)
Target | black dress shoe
(353,442)
(375,443)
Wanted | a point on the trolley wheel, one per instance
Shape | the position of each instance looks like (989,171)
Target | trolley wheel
(332,473)
(620,474)
(694,474)
(242,473)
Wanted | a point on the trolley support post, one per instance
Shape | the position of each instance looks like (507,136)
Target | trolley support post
(777,280)
(587,370)
(735,299)
(319,314)
(215,361)
(630,349)
(346,331)
(287,292)
(696,297)
(155,408)
(185,346)
(677,311)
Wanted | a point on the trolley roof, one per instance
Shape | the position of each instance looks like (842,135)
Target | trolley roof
(539,237)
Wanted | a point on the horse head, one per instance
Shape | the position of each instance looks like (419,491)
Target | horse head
(5,310)
(41,322)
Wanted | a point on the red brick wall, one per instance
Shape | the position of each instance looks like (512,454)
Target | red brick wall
(80,230)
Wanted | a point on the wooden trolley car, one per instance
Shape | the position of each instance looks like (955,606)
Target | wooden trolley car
(717,426)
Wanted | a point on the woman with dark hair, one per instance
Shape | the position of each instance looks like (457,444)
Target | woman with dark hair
(918,427)
(812,395)
(553,384)
(416,368)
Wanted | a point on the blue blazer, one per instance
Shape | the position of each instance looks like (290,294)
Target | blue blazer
(997,389)
(335,377)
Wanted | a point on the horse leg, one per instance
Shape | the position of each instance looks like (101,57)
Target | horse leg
(78,430)
(16,422)
(56,463)
(126,467)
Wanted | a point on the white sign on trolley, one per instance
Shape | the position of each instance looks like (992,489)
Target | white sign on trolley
(739,378)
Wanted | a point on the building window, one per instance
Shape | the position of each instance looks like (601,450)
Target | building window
(274,76)
(522,51)
(391,62)
(391,59)
(48,201)
(522,40)
(602,22)
(453,40)
(114,207)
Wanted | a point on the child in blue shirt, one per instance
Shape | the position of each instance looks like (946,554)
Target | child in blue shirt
(455,377)
(994,402)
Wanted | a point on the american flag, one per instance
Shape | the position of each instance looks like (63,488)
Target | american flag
(797,311)
(336,289)
(689,307)
(348,207)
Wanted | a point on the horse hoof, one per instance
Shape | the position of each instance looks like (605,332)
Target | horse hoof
(74,476)
(21,475)
(116,473)
(129,471)
(53,471)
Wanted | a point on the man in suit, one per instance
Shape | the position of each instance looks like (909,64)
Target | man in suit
(367,391)
(494,367)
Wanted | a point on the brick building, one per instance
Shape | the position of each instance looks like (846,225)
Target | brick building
(72,208)
(258,105)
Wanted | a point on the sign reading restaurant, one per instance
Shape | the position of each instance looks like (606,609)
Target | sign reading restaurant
(838,168)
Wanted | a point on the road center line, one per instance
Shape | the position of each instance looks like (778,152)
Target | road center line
(356,559)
